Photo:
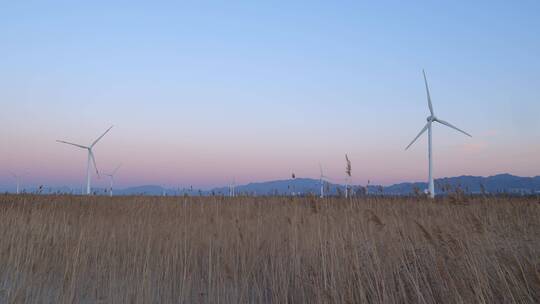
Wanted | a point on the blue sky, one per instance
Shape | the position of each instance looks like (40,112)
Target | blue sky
(204,92)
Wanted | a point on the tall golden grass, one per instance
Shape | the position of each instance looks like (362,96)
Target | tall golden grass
(68,249)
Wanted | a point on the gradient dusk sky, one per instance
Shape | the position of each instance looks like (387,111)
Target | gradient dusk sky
(201,92)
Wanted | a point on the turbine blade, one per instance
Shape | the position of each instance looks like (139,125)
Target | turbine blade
(68,143)
(95,141)
(94,162)
(428,95)
(421,132)
(452,126)
(114,172)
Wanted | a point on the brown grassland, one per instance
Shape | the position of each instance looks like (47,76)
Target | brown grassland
(69,249)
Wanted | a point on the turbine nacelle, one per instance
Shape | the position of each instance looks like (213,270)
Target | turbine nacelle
(431,118)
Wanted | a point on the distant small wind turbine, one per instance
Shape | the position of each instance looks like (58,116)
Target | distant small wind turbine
(321,180)
(111,179)
(91,158)
(232,189)
(430,119)
(18,178)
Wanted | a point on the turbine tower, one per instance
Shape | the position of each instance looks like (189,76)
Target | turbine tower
(91,158)
(430,120)
(232,188)
(17,180)
(321,180)
(111,179)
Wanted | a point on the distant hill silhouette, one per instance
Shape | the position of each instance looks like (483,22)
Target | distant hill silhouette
(501,183)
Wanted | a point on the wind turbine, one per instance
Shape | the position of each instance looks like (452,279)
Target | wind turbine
(232,187)
(321,181)
(430,120)
(111,178)
(18,180)
(91,158)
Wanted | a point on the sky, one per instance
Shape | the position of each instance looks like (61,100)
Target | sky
(202,92)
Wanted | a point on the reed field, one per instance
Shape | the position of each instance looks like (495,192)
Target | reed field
(73,249)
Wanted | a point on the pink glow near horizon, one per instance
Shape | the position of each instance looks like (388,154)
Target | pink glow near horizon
(208,165)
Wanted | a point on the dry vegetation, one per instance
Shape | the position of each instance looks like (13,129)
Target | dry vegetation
(69,249)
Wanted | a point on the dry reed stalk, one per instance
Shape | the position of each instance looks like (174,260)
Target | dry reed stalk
(59,249)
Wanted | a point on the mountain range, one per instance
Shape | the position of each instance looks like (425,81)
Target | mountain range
(501,183)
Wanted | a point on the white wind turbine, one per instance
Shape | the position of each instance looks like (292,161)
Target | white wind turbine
(91,158)
(232,188)
(430,119)
(18,178)
(111,179)
(321,180)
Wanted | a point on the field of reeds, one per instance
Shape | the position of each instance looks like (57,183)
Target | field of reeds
(69,249)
